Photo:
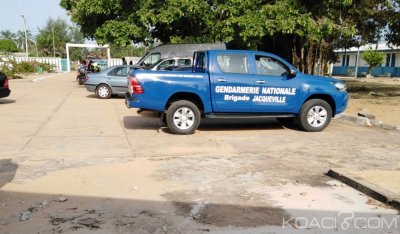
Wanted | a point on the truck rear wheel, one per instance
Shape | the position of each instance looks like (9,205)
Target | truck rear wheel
(183,117)
(315,115)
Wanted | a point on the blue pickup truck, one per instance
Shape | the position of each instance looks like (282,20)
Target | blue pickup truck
(236,84)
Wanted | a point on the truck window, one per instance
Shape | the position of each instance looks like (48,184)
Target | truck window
(151,59)
(270,67)
(233,63)
(184,62)
(199,61)
(165,64)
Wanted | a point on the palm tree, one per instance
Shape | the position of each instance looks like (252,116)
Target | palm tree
(7,34)
(20,39)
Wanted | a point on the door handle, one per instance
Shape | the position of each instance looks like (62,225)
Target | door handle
(260,81)
(222,80)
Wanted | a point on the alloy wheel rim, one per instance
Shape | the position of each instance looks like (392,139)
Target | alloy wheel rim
(184,118)
(317,116)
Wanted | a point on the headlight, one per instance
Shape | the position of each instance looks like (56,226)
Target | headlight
(340,86)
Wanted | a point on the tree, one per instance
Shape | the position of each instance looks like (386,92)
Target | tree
(20,39)
(7,34)
(59,31)
(305,32)
(7,46)
(373,58)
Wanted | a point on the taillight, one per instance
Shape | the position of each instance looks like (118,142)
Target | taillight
(136,87)
(5,83)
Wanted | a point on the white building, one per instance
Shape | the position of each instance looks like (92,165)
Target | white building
(347,62)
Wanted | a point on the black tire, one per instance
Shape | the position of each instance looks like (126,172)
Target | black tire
(81,81)
(315,115)
(103,91)
(183,117)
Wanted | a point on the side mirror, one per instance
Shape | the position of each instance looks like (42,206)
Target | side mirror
(293,73)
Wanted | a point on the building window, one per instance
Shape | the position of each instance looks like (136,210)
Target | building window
(390,60)
(345,60)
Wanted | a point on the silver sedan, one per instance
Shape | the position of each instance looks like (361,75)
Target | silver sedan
(112,80)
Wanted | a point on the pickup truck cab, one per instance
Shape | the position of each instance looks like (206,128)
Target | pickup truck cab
(237,84)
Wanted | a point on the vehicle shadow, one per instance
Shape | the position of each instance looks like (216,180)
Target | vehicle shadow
(114,96)
(153,122)
(7,101)
(7,171)
(140,122)
(239,124)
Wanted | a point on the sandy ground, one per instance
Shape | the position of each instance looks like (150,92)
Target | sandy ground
(378,96)
(72,163)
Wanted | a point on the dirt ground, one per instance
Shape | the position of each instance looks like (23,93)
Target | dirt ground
(377,96)
(72,163)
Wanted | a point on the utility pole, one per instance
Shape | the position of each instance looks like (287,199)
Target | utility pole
(26,38)
(37,53)
(54,47)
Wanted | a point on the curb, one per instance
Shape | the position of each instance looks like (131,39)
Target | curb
(364,121)
(366,187)
(45,77)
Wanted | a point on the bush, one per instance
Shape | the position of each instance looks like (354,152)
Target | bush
(25,67)
(10,67)
(46,67)
(8,45)
(373,58)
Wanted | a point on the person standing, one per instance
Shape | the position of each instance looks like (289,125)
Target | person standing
(124,61)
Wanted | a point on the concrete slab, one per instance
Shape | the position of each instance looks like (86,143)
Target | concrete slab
(383,185)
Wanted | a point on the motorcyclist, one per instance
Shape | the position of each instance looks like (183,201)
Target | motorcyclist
(82,71)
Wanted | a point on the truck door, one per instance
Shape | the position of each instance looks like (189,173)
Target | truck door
(279,90)
(231,82)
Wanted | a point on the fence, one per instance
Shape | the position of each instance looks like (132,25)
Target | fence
(61,65)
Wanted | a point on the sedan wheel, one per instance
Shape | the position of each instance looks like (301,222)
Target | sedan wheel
(103,91)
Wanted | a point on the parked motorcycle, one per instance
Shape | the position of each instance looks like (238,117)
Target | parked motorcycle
(82,76)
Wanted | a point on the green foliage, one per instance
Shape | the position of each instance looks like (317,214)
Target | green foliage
(128,51)
(10,67)
(62,33)
(373,58)
(24,67)
(303,31)
(7,66)
(7,34)
(8,45)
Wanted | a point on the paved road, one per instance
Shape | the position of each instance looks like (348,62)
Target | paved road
(57,138)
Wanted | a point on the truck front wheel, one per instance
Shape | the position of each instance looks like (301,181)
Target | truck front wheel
(183,117)
(315,115)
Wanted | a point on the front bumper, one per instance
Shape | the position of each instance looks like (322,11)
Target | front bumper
(4,92)
(131,102)
(341,106)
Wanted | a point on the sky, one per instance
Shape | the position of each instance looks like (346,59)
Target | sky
(36,13)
